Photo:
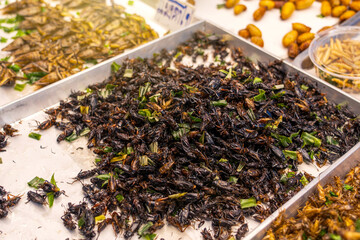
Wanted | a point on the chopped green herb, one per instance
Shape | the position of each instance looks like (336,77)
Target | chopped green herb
(81,222)
(103,177)
(278,87)
(154,147)
(223,160)
(327,202)
(149,236)
(110,87)
(120,158)
(92,61)
(334,236)
(154,98)
(332,141)
(320,16)
(194,119)
(274,125)
(286,176)
(220,103)
(15,67)
(35,135)
(145,228)
(348,187)
(1,160)
(224,71)
(202,138)
(19,87)
(3,40)
(144,112)
(322,232)
(342,104)
(108,149)
(219,6)
(178,54)
(151,117)
(19,33)
(312,154)
(240,167)
(52,180)
(74,136)
(304,180)
(43,9)
(333,194)
(251,114)
(50,197)
(283,140)
(200,51)
(257,80)
(233,179)
(129,150)
(5,59)
(177,195)
(310,140)
(99,218)
(261,96)
(191,89)
(115,67)
(124,34)
(144,89)
(119,198)
(34,76)
(128,73)
(145,161)
(290,154)
(248,203)
(84,109)
(277,95)
(357,225)
(9,29)
(179,133)
(304,87)
(36,182)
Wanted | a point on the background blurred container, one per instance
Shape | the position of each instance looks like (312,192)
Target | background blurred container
(336,56)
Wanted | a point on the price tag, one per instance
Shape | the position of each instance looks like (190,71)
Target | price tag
(174,14)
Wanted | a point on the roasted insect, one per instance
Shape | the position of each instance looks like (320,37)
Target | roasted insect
(331,213)
(45,189)
(8,131)
(7,201)
(52,47)
(36,198)
(214,142)
(85,218)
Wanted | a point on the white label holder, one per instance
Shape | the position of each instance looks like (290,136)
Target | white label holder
(174,14)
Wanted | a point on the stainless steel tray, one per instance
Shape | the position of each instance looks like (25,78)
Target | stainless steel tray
(48,96)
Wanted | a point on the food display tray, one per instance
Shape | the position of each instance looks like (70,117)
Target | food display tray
(146,9)
(26,158)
